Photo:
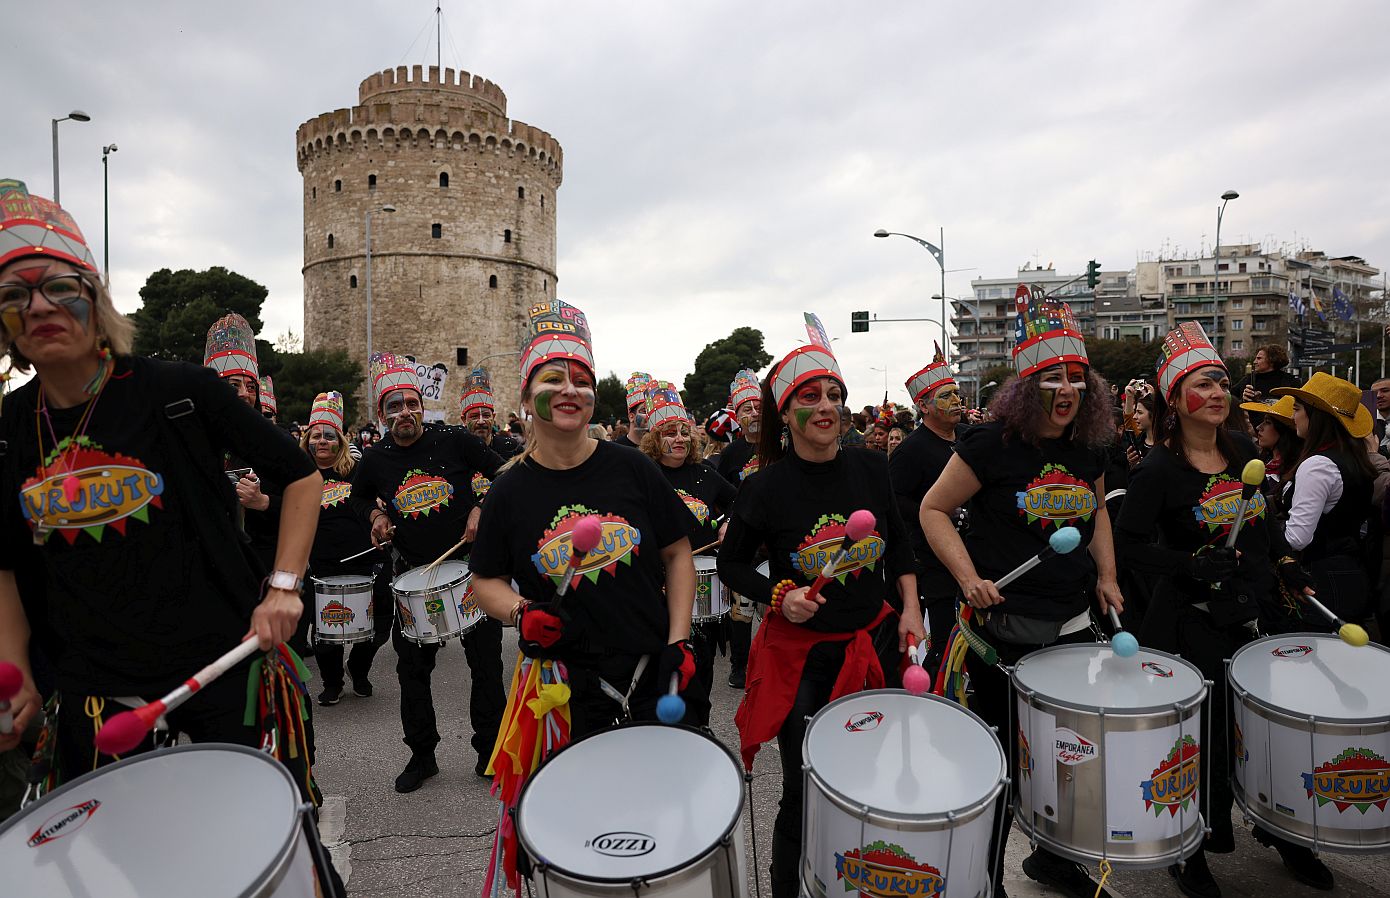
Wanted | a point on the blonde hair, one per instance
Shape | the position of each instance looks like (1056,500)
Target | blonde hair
(116,329)
(651,445)
(343,462)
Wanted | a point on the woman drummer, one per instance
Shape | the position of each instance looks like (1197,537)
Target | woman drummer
(1177,516)
(341,534)
(811,650)
(614,614)
(1037,467)
(673,442)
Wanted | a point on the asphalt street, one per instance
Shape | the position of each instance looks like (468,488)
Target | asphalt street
(437,840)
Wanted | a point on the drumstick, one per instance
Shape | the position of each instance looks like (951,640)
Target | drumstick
(1123,643)
(703,548)
(860,524)
(11,681)
(670,708)
(1062,541)
(1352,634)
(440,560)
(1251,476)
(714,523)
(915,679)
(364,552)
(583,537)
(124,731)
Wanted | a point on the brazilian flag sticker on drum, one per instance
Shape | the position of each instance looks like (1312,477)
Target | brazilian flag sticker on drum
(1357,778)
(885,870)
(1173,783)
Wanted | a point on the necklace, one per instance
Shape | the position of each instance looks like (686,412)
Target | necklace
(72,486)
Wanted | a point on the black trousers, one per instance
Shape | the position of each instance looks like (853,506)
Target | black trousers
(1342,585)
(359,658)
(706,638)
(740,639)
(482,646)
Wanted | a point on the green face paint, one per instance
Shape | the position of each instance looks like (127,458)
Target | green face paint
(1048,397)
(802,416)
(542,403)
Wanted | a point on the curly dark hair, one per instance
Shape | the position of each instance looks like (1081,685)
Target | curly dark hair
(1019,405)
(1276,355)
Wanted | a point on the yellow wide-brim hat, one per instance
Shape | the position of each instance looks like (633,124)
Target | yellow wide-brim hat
(1339,398)
(1280,409)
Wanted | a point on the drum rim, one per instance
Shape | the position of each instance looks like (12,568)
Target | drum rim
(365,580)
(1259,814)
(269,877)
(1147,711)
(1191,841)
(1246,697)
(957,816)
(439,587)
(654,877)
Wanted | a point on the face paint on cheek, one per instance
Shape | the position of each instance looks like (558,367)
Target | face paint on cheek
(82,312)
(802,415)
(542,403)
(13,321)
(1049,396)
(1194,401)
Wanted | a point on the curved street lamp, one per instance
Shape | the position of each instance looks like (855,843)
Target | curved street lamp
(939,254)
(77,115)
(1216,267)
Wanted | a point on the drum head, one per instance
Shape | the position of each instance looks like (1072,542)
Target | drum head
(704,564)
(1316,675)
(634,801)
(211,820)
(904,755)
(419,579)
(345,581)
(1091,676)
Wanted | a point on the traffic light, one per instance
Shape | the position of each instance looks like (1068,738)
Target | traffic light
(1092,274)
(859,322)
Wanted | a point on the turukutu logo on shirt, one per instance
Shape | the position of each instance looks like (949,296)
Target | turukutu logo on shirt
(335,492)
(1220,503)
(82,489)
(1056,498)
(749,467)
(618,542)
(824,542)
(480,485)
(698,508)
(421,493)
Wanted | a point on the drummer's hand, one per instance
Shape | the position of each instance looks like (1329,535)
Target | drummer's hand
(275,618)
(470,530)
(248,493)
(381,529)
(797,608)
(23,707)
(981,594)
(1108,596)
(910,624)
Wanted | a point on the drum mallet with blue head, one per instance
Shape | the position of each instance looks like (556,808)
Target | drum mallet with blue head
(1123,643)
(11,681)
(670,708)
(916,679)
(1352,634)
(124,731)
(1251,476)
(1062,541)
(860,524)
(583,537)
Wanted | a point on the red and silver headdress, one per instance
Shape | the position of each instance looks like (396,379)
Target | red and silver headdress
(744,388)
(806,363)
(636,386)
(929,378)
(1185,349)
(33,226)
(328,409)
(268,404)
(389,373)
(477,393)
(231,347)
(1045,332)
(664,405)
(557,331)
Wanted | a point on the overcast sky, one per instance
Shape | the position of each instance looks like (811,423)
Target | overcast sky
(726,163)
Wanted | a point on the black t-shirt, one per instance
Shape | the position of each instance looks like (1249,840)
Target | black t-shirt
(737,461)
(798,510)
(705,495)
(626,441)
(144,580)
(1026,494)
(616,599)
(914,466)
(341,532)
(506,447)
(427,487)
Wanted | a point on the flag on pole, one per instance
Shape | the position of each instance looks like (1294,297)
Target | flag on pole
(1341,305)
(1296,304)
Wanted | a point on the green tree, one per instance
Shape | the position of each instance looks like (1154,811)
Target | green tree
(1120,361)
(707,387)
(301,376)
(611,401)
(178,307)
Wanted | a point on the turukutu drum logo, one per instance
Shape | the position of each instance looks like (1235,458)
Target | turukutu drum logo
(82,489)
(1025,755)
(819,548)
(1357,778)
(1220,503)
(336,614)
(421,493)
(1174,781)
(469,605)
(1056,498)
(1241,755)
(407,619)
(618,542)
(885,870)
(335,492)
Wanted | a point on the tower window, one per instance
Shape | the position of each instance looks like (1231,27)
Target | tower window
(371,182)
(542,201)
(352,282)
(521,193)
(330,241)
(338,186)
(313,193)
(507,236)
(436,230)
(443,179)
(492,282)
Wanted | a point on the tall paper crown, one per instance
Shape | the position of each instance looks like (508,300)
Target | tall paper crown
(1045,332)
(557,330)
(937,374)
(327,409)
(664,404)
(231,347)
(33,226)
(477,393)
(805,363)
(391,372)
(1185,349)
(268,404)
(636,386)
(744,388)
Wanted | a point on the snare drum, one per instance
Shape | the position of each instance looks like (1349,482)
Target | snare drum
(1109,754)
(643,803)
(210,820)
(343,609)
(899,786)
(434,606)
(1312,739)
(711,598)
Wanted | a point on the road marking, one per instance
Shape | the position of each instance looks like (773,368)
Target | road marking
(332,828)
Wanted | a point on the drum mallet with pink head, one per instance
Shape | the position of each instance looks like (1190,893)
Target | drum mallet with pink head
(11,681)
(583,537)
(1062,541)
(1251,476)
(916,679)
(860,524)
(124,731)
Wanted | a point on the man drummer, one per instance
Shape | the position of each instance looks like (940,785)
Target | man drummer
(415,489)
(736,462)
(637,384)
(478,411)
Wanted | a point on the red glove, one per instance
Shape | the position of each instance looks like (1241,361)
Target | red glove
(676,658)
(540,628)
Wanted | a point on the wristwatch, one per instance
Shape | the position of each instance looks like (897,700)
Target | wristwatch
(285,580)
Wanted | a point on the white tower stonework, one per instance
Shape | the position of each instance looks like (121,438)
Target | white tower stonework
(470,246)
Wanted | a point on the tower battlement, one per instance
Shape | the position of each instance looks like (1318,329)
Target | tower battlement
(434,87)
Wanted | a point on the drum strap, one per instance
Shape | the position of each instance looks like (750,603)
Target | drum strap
(622,699)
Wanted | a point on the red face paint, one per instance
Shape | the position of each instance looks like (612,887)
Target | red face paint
(1194,401)
(32,275)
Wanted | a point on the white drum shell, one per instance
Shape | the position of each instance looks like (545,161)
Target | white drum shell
(343,609)
(671,785)
(1099,737)
(434,606)
(212,820)
(1311,711)
(919,773)
(711,596)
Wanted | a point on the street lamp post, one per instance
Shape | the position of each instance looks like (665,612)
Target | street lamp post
(939,253)
(77,115)
(106,151)
(1216,268)
(386,208)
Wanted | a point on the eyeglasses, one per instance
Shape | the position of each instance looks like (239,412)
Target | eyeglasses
(64,290)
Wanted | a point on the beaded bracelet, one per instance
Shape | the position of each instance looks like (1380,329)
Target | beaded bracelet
(779,592)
